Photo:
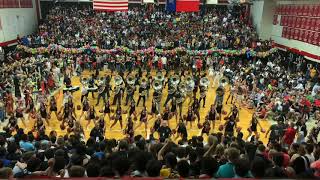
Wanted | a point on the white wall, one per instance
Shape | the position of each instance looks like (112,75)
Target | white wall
(14,21)
(277,33)
(262,16)
(256,14)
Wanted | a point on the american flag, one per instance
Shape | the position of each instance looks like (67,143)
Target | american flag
(110,5)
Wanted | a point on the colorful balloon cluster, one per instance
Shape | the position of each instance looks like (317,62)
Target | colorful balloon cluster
(151,50)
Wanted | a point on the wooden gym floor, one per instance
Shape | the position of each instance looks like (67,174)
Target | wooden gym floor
(116,132)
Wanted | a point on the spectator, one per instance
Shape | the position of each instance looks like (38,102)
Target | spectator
(227,170)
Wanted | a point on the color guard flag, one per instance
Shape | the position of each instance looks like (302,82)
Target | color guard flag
(187,5)
(110,5)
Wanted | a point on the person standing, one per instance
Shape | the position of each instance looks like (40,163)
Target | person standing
(142,92)
(102,91)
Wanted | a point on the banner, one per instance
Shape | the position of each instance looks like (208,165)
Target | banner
(212,1)
(110,5)
(148,1)
(171,6)
(187,5)
(58,48)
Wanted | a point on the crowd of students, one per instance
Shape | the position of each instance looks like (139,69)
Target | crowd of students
(283,87)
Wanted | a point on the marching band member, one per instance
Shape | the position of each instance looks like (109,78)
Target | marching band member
(92,84)
(204,83)
(179,99)
(190,84)
(84,89)
(196,84)
(142,92)
(211,75)
(117,90)
(130,88)
(157,94)
(232,93)
(154,110)
(102,91)
(172,88)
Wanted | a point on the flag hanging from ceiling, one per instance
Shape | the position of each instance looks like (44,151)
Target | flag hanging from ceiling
(171,5)
(187,5)
(148,1)
(212,1)
(110,5)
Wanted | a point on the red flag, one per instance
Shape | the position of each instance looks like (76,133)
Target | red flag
(110,5)
(187,5)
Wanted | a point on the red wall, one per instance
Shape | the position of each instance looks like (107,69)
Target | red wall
(16,4)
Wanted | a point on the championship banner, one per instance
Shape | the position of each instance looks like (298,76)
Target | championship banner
(171,5)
